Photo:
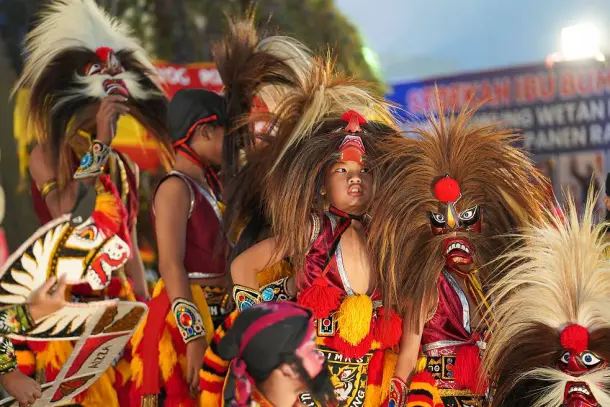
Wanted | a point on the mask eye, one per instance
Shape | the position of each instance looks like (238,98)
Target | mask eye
(565,358)
(437,217)
(468,214)
(94,69)
(589,359)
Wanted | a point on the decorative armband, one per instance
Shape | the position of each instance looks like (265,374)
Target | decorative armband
(47,188)
(398,393)
(188,320)
(8,361)
(15,319)
(92,163)
(245,297)
(276,291)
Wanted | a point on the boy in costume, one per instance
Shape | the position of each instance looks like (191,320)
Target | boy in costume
(274,358)
(187,213)
(551,343)
(82,72)
(451,194)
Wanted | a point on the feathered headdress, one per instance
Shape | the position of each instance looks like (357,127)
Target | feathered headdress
(552,338)
(449,165)
(75,56)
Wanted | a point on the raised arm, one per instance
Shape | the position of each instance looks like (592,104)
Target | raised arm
(135,267)
(43,168)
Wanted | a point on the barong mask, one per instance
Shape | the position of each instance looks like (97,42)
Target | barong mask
(76,56)
(551,343)
(449,220)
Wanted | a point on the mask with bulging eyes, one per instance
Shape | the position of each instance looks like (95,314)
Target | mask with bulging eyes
(108,67)
(457,250)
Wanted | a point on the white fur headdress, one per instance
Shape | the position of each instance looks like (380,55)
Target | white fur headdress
(67,25)
(559,278)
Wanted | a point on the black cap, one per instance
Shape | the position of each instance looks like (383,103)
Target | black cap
(191,106)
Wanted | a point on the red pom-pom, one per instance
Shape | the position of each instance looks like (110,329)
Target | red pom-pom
(103,52)
(387,331)
(424,377)
(354,120)
(466,371)
(575,338)
(321,298)
(349,350)
(447,190)
(114,287)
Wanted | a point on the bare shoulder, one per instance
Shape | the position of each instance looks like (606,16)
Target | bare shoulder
(172,194)
(40,165)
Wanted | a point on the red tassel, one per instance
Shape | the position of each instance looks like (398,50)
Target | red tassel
(447,190)
(575,338)
(424,377)
(114,288)
(321,298)
(387,331)
(375,372)
(467,369)
(349,350)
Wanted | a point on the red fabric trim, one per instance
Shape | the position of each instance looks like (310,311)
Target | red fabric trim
(158,307)
(266,321)
(420,398)
(189,133)
(375,372)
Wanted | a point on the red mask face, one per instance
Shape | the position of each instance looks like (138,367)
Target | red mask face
(576,364)
(457,250)
(109,66)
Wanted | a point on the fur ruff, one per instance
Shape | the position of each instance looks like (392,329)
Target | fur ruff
(491,173)
(560,277)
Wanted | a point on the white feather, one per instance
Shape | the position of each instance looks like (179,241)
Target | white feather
(74,24)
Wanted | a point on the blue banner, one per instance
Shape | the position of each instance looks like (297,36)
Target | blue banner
(561,109)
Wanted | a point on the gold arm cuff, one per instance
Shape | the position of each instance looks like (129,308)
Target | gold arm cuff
(47,188)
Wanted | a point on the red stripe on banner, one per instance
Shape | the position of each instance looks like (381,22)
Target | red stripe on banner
(90,346)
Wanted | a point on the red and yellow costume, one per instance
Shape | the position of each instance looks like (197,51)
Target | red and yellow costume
(77,56)
(453,192)
(353,330)
(159,350)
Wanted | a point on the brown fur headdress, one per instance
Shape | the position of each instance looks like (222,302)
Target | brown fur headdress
(69,36)
(491,173)
(309,133)
(252,68)
(559,277)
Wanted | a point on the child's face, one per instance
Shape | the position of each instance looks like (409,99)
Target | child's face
(349,187)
